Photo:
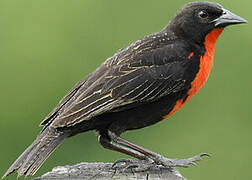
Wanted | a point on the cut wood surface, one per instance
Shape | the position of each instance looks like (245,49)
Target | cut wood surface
(102,171)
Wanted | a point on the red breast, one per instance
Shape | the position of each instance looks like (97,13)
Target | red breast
(206,63)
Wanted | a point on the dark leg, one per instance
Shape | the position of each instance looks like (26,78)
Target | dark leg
(157,158)
(106,143)
(142,164)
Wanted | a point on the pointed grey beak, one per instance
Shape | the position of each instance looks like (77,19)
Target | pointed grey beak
(228,18)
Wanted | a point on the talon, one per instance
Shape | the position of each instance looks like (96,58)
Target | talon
(121,161)
(194,164)
(199,157)
(132,166)
(205,154)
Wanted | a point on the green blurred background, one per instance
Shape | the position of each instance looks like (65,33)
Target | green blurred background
(46,46)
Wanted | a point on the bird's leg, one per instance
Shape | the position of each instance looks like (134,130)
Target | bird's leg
(141,165)
(157,158)
(106,143)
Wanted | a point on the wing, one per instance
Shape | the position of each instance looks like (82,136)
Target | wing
(62,102)
(126,81)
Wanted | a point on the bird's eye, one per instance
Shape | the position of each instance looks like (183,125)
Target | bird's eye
(203,14)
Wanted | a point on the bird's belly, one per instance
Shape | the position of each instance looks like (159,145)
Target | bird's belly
(142,115)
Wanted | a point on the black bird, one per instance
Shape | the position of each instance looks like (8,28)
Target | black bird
(138,86)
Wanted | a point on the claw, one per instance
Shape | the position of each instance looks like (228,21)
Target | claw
(194,164)
(205,154)
(133,165)
(199,157)
(125,161)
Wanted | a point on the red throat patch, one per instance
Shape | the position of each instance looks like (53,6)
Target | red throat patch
(206,63)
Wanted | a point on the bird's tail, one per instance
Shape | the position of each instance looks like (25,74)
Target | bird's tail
(34,156)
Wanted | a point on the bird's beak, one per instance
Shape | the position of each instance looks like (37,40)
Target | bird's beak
(228,18)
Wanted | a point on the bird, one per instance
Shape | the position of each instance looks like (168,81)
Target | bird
(140,85)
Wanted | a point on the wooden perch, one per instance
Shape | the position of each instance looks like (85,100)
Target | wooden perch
(102,171)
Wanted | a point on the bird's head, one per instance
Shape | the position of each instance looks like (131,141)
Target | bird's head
(195,20)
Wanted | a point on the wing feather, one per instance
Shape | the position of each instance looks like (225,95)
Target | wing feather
(129,82)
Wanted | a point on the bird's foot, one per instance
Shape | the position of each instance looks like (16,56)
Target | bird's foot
(133,165)
(161,160)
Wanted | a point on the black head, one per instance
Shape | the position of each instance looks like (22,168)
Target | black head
(195,20)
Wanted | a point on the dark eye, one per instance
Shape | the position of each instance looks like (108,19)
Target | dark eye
(203,14)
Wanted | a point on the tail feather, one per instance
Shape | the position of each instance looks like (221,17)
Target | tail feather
(34,156)
(16,165)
